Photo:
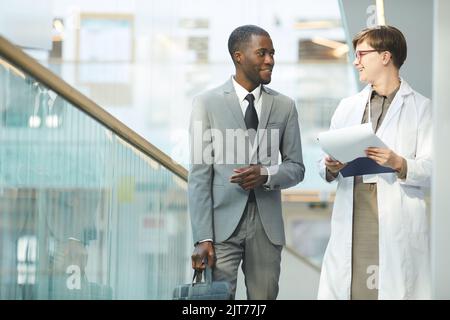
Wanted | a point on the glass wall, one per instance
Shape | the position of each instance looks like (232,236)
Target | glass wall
(144,61)
(170,51)
(83,214)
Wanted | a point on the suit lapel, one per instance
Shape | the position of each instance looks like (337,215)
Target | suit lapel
(233,104)
(266,107)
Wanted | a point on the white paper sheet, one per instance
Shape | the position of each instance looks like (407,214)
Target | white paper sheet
(349,143)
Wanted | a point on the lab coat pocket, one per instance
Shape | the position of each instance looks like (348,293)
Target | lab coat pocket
(415,218)
(414,210)
(413,192)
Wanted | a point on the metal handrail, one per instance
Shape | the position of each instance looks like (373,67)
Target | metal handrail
(19,59)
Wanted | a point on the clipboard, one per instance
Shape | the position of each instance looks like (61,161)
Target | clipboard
(362,166)
(347,144)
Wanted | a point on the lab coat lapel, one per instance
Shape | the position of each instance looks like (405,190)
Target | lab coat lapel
(355,117)
(395,107)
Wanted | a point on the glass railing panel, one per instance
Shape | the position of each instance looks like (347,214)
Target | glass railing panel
(83,214)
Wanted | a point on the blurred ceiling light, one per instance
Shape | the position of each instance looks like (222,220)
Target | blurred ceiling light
(321,24)
(52,121)
(339,48)
(327,42)
(380,13)
(34,121)
(12,68)
(58,25)
(339,52)
(58,34)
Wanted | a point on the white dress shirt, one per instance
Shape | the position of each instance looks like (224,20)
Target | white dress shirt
(241,92)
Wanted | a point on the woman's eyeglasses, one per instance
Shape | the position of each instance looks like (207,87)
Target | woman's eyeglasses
(360,53)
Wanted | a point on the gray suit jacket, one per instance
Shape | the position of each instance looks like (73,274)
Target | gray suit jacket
(216,205)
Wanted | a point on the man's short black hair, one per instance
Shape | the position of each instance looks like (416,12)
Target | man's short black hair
(242,35)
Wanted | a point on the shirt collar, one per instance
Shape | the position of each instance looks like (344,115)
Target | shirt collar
(389,98)
(241,92)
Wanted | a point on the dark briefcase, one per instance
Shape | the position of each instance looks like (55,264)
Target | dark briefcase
(206,290)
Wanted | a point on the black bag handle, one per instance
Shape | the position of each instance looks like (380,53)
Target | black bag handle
(207,276)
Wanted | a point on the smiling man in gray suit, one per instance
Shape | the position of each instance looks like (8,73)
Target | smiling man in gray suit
(237,132)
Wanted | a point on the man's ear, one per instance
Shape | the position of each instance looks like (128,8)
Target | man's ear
(237,56)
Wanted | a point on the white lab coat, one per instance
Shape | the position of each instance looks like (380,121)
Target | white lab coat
(404,264)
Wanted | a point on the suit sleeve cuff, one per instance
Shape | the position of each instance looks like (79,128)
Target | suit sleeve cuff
(205,240)
(266,184)
(271,172)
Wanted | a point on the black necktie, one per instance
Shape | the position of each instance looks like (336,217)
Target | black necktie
(251,121)
(251,117)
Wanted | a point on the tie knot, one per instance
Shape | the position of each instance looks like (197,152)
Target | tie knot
(250,98)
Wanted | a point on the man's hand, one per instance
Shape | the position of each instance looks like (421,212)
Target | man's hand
(250,177)
(332,165)
(202,250)
(385,157)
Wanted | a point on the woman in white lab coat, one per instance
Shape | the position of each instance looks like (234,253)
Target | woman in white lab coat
(379,243)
